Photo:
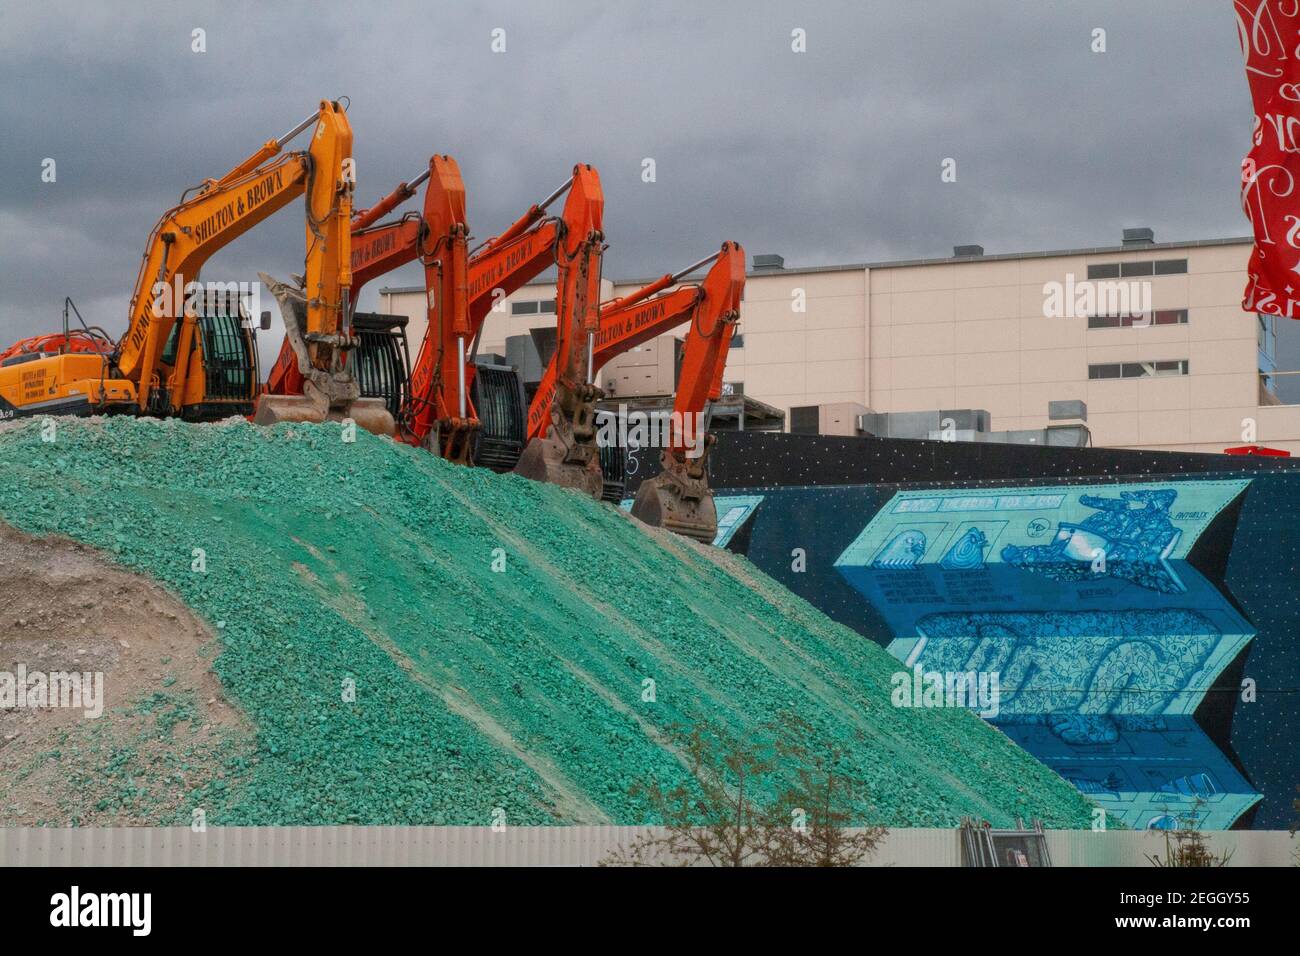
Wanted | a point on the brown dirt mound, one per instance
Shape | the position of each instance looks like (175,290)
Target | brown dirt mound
(166,727)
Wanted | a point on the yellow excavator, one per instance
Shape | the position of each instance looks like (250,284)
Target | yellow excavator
(179,359)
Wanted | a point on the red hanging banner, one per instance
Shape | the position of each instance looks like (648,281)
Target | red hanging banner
(1269,32)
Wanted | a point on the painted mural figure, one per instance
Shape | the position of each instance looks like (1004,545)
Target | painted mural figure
(967,553)
(1130,537)
(904,551)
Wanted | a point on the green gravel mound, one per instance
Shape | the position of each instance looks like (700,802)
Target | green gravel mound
(501,635)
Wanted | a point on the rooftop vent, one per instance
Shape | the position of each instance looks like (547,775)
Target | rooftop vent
(768,262)
(1141,236)
(1067,409)
(967,252)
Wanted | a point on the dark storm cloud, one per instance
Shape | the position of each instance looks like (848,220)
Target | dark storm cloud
(828,156)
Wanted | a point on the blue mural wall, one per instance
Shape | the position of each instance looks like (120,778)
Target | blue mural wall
(1122,615)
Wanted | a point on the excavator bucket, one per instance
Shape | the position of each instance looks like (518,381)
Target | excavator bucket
(550,460)
(678,498)
(369,413)
(661,504)
(568,454)
(327,396)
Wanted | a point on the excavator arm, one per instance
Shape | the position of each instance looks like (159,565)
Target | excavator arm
(376,249)
(678,498)
(318,317)
(568,455)
(443,251)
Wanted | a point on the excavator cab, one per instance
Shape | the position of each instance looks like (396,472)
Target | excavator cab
(383,359)
(498,395)
(229,347)
(223,375)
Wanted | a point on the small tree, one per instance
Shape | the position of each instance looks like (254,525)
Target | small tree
(810,821)
(1186,846)
(711,817)
(723,814)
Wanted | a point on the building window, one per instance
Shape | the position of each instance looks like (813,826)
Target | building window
(1138,369)
(1138,319)
(1144,267)
(1267,339)
(804,420)
(533,307)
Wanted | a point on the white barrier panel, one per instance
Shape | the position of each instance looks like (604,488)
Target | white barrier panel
(534,846)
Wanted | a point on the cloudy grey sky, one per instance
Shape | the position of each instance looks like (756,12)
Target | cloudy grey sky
(825,157)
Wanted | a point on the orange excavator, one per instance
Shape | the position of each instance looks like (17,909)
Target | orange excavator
(441,410)
(175,359)
(573,243)
(678,497)
(88,338)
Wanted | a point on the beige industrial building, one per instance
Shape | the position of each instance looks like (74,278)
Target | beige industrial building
(1149,337)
